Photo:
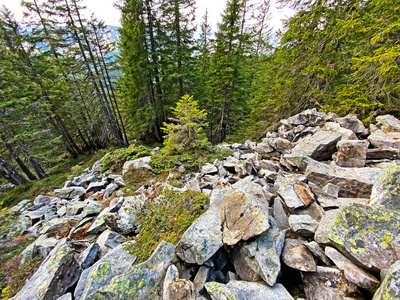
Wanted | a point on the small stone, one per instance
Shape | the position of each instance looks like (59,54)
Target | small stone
(316,249)
(303,225)
(346,134)
(175,288)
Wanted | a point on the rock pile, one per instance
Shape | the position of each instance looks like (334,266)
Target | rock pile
(312,211)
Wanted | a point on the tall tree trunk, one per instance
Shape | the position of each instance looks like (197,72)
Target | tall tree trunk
(16,157)
(11,172)
(178,46)
(35,165)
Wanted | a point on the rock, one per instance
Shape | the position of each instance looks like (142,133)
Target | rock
(209,181)
(351,272)
(175,288)
(88,256)
(328,283)
(263,255)
(54,224)
(242,216)
(201,278)
(55,276)
(75,208)
(366,235)
(21,206)
(281,219)
(244,168)
(390,288)
(382,139)
(4,188)
(208,169)
(242,290)
(111,188)
(298,160)
(92,208)
(352,123)
(303,225)
(280,144)
(99,224)
(296,255)
(386,189)
(144,281)
(194,184)
(322,234)
(114,263)
(352,182)
(204,237)
(351,153)
(285,187)
(315,249)
(319,146)
(137,164)
(43,244)
(42,200)
(108,240)
(314,211)
(65,297)
(388,123)
(230,163)
(264,148)
(70,192)
(97,186)
(29,253)
(346,134)
(385,153)
(309,117)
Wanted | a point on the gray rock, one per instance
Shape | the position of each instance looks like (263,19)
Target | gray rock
(346,134)
(55,276)
(42,200)
(319,146)
(285,187)
(386,189)
(351,272)
(54,224)
(97,186)
(144,280)
(230,163)
(351,153)
(92,208)
(116,262)
(108,240)
(382,139)
(264,148)
(209,181)
(298,160)
(75,208)
(352,123)
(204,237)
(366,234)
(388,123)
(242,216)
(201,278)
(70,192)
(390,288)
(281,219)
(303,225)
(137,164)
(328,283)
(244,168)
(322,234)
(316,249)
(29,253)
(111,188)
(309,117)
(65,297)
(88,256)
(385,153)
(175,288)
(297,256)
(280,144)
(242,290)
(208,169)
(99,224)
(241,264)
(352,182)
(21,206)
(314,211)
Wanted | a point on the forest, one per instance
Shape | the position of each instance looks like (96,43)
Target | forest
(64,94)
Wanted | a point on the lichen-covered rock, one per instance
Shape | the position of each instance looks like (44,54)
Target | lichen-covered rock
(137,164)
(175,288)
(116,262)
(143,281)
(296,255)
(319,146)
(70,192)
(390,287)
(285,187)
(352,272)
(352,182)
(366,234)
(322,234)
(242,216)
(263,254)
(386,190)
(242,290)
(208,169)
(352,153)
(203,238)
(328,283)
(317,250)
(55,275)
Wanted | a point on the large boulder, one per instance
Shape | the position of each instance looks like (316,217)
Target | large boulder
(242,216)
(55,276)
(352,182)
(139,163)
(352,123)
(390,288)
(70,192)
(309,117)
(388,123)
(297,256)
(386,190)
(367,235)
(352,153)
(319,146)
(143,281)
(382,139)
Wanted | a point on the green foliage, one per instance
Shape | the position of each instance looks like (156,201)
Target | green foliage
(134,179)
(185,132)
(166,218)
(117,158)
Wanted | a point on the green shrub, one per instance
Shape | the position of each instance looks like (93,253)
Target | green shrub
(166,218)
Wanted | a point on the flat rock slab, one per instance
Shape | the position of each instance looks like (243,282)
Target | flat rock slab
(143,281)
(366,234)
(319,146)
(390,288)
(285,187)
(386,190)
(55,276)
(242,290)
(352,182)
(303,225)
(328,283)
(352,272)
(69,192)
(296,255)
(242,216)
(382,139)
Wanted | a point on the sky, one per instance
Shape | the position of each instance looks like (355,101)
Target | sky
(104,10)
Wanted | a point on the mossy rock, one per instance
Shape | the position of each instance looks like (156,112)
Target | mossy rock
(367,234)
